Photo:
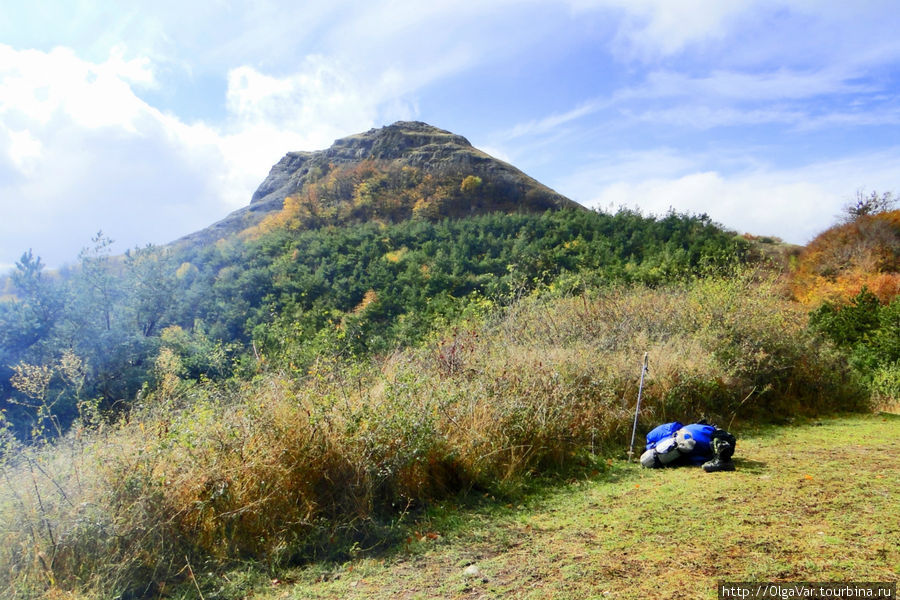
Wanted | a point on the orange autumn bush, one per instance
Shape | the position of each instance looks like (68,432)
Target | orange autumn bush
(841,261)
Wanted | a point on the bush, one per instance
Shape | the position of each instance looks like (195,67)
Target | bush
(869,334)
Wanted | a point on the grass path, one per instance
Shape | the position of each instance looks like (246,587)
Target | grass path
(817,502)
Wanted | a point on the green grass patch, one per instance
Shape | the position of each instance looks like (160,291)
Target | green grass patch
(814,502)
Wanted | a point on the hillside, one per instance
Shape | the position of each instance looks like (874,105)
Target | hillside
(388,234)
(837,264)
(281,465)
(406,164)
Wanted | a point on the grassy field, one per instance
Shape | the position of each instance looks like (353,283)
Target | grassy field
(811,502)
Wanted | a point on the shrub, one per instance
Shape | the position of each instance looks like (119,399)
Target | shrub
(869,334)
(841,261)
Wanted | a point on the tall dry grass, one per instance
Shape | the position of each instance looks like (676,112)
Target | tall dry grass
(277,469)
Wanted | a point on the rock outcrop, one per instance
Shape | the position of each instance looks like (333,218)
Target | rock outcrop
(405,143)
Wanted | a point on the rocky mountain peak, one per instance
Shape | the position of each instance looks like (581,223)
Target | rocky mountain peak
(431,150)
(394,141)
(413,142)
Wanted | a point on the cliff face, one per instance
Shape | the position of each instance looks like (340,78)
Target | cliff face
(406,143)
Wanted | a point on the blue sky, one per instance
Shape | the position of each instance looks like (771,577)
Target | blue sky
(150,120)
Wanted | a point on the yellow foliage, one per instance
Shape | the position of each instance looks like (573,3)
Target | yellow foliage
(375,191)
(172,334)
(470,184)
(423,209)
(813,290)
(168,372)
(368,298)
(71,367)
(32,380)
(186,270)
(290,210)
(396,256)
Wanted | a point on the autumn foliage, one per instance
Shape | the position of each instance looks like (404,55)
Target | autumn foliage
(386,192)
(841,261)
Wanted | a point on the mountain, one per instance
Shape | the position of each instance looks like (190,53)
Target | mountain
(350,350)
(405,159)
(353,251)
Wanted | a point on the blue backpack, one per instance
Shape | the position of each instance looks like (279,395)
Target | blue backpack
(661,432)
(700,433)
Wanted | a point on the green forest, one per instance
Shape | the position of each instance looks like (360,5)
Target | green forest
(285,299)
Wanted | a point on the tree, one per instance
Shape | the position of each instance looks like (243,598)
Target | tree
(151,286)
(98,329)
(42,300)
(848,324)
(470,185)
(871,204)
(101,291)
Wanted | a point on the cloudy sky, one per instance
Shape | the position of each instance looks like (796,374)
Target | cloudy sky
(150,120)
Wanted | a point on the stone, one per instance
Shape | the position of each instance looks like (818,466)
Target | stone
(472,572)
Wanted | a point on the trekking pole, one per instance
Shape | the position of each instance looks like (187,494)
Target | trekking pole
(637,408)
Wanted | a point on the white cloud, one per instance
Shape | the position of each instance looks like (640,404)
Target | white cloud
(657,28)
(784,31)
(36,87)
(816,99)
(887,115)
(755,204)
(80,150)
(667,26)
(764,85)
(793,204)
(698,117)
(630,166)
(552,122)
(24,150)
(496,152)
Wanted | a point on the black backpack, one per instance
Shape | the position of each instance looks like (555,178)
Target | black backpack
(722,444)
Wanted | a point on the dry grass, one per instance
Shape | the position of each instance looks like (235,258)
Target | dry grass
(278,470)
(813,502)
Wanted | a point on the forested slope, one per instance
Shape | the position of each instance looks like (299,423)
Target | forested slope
(290,295)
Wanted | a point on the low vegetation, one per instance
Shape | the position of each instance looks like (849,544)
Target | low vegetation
(285,468)
(807,503)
